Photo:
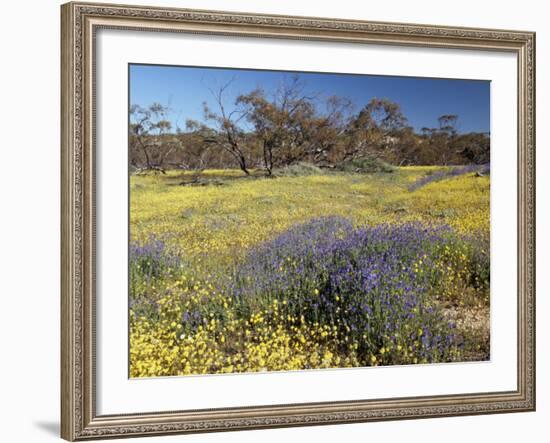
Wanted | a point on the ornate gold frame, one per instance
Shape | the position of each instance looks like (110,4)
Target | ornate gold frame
(79,22)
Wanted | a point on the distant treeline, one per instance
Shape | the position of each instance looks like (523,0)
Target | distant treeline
(261,131)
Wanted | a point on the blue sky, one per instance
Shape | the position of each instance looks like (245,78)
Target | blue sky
(422,100)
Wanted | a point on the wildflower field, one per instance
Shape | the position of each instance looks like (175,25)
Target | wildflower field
(318,269)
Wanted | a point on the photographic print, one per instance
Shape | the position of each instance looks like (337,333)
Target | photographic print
(275,221)
(300,220)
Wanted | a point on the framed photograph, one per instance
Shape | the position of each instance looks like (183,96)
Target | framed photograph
(277,221)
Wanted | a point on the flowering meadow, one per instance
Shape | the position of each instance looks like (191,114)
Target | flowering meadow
(323,270)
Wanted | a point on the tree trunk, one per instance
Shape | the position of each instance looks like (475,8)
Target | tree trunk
(268,159)
(242,165)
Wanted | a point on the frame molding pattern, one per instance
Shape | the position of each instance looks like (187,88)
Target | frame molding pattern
(79,23)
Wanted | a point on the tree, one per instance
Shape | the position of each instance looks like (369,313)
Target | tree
(439,143)
(282,124)
(447,124)
(474,147)
(151,141)
(374,129)
(289,125)
(406,150)
(386,115)
(197,146)
(227,134)
(267,121)
(328,129)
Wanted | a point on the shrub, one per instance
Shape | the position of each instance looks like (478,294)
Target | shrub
(366,165)
(298,169)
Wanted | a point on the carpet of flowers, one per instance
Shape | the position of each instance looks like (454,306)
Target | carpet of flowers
(306,272)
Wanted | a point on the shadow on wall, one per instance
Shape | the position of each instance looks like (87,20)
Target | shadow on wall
(50,427)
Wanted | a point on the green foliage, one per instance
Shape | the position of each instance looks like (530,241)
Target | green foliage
(288,129)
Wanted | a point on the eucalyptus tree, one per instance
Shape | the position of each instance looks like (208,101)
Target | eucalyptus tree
(227,132)
(151,138)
